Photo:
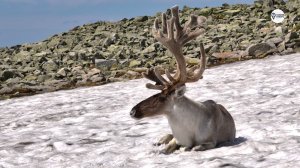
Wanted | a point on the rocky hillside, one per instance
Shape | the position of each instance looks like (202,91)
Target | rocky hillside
(103,52)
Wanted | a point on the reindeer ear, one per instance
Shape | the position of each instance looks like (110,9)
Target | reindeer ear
(179,92)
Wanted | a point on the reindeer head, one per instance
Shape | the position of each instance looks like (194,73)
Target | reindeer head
(173,37)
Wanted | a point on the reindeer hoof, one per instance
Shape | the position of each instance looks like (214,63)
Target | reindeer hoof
(185,149)
(164,140)
(171,147)
(204,147)
(198,148)
(168,150)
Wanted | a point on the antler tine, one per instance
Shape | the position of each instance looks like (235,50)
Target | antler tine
(175,14)
(154,75)
(170,77)
(170,27)
(158,35)
(194,21)
(150,74)
(173,36)
(155,87)
(197,74)
(155,25)
(192,35)
(158,75)
(164,23)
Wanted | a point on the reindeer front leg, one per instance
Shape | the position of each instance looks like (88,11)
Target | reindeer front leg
(170,142)
(204,146)
(164,140)
(170,147)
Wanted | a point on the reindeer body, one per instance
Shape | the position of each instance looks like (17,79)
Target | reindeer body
(205,123)
(199,126)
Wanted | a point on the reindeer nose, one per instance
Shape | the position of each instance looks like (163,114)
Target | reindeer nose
(132,112)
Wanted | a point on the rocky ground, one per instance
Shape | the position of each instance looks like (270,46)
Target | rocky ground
(104,52)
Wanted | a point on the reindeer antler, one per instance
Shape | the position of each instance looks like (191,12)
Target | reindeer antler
(174,39)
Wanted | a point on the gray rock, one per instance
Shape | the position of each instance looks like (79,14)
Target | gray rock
(257,50)
(93,72)
(292,5)
(141,18)
(278,30)
(13,81)
(270,4)
(290,36)
(105,64)
(213,49)
(143,43)
(62,72)
(30,78)
(134,63)
(6,90)
(115,36)
(229,56)
(7,74)
(150,49)
(77,71)
(43,78)
(50,66)
(73,54)
(232,12)
(28,69)
(42,54)
(275,40)
(204,11)
(288,51)
(132,74)
(281,46)
(295,18)
(107,42)
(96,78)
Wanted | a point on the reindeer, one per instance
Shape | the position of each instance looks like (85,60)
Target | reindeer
(195,126)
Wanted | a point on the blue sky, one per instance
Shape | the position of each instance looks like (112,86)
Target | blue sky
(27,21)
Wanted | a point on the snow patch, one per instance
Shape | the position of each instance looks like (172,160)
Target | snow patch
(91,127)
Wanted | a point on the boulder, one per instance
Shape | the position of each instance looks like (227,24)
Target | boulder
(50,66)
(149,49)
(132,74)
(290,36)
(93,72)
(134,63)
(281,46)
(229,56)
(278,30)
(295,18)
(192,61)
(7,74)
(141,18)
(105,64)
(107,42)
(259,49)
(275,40)
(232,12)
(96,79)
(62,72)
(78,70)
